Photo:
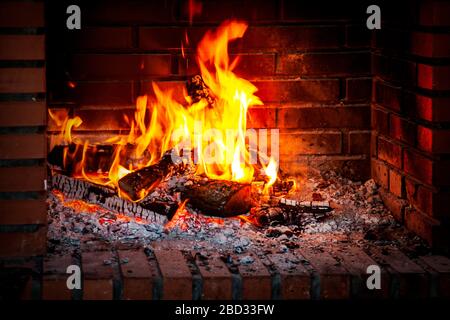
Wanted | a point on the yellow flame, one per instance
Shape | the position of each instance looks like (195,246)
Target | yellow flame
(216,132)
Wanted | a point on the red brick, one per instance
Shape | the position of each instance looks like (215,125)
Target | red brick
(373,144)
(390,152)
(388,96)
(397,70)
(324,117)
(396,183)
(103,38)
(429,171)
(433,140)
(434,202)
(391,40)
(441,265)
(313,64)
(358,89)
(433,77)
(23,244)
(126,66)
(298,11)
(356,262)
(217,281)
(130,12)
(22,114)
(395,205)
(169,38)
(334,278)
(295,279)
(422,225)
(177,279)
(97,275)
(359,142)
(256,282)
(310,142)
(25,80)
(250,66)
(22,47)
(261,117)
(54,280)
(357,36)
(137,275)
(218,11)
(428,108)
(380,121)
(402,129)
(95,119)
(300,90)
(380,173)
(22,179)
(431,45)
(104,93)
(434,13)
(24,146)
(15,212)
(411,279)
(281,38)
(21,14)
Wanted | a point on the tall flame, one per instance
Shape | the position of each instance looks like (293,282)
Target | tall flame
(216,134)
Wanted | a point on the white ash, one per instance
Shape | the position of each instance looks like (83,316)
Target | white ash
(358,211)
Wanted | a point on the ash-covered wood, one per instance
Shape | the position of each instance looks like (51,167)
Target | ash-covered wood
(290,212)
(218,197)
(147,178)
(150,210)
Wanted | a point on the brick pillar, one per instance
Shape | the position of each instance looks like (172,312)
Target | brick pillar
(411,116)
(23,214)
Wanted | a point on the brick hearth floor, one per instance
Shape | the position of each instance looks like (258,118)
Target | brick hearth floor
(170,270)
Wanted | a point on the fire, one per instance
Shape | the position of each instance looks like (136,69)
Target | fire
(80,206)
(215,133)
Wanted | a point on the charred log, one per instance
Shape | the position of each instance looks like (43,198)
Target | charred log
(218,197)
(146,179)
(291,212)
(153,211)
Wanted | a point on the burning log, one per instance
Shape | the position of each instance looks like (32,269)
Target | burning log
(218,197)
(149,210)
(139,182)
(97,157)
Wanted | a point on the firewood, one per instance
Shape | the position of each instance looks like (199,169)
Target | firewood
(148,209)
(218,197)
(147,178)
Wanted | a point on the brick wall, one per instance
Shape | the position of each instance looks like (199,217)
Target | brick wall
(23,214)
(311,64)
(411,116)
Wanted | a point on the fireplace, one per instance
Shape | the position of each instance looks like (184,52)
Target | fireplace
(335,160)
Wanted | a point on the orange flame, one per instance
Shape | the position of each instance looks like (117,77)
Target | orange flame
(216,134)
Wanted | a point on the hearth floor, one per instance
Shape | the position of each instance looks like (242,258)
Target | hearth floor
(203,258)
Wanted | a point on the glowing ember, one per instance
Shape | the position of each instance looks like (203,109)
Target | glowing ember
(80,206)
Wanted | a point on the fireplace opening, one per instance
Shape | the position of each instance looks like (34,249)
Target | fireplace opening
(226,150)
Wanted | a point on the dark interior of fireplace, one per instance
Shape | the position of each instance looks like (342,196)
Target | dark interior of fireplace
(224,150)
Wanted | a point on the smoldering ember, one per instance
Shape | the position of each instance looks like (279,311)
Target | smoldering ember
(130,191)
